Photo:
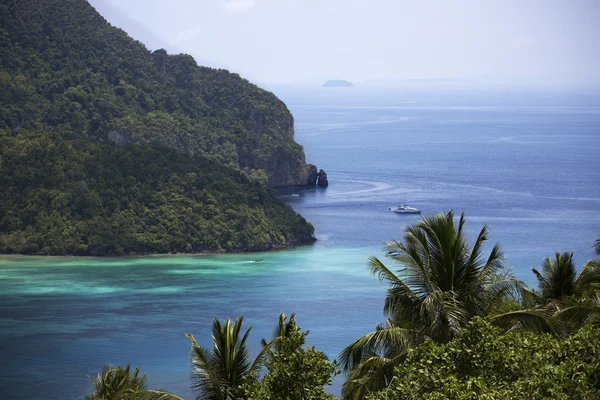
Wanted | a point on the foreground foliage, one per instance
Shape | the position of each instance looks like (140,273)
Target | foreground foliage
(442,284)
(566,300)
(121,383)
(283,370)
(218,373)
(459,327)
(484,363)
(293,372)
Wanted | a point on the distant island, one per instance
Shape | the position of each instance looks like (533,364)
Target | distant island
(338,83)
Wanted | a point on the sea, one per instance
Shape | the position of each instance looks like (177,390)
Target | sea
(524,162)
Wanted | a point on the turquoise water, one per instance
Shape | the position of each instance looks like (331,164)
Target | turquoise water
(64,318)
(526,164)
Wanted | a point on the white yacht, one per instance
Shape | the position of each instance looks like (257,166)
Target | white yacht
(404,209)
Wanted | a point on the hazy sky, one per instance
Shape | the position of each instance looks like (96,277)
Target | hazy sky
(277,41)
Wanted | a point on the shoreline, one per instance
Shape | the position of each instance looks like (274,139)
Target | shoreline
(140,255)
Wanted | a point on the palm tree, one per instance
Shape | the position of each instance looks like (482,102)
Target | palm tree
(578,312)
(566,300)
(441,285)
(218,372)
(559,280)
(120,383)
(284,328)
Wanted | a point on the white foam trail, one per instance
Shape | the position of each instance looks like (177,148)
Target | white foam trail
(375,187)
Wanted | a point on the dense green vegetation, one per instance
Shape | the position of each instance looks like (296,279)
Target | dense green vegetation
(108,148)
(62,65)
(121,383)
(80,197)
(293,372)
(459,327)
(484,363)
(442,285)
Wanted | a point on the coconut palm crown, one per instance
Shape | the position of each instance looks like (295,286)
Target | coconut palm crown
(122,383)
(441,284)
(218,372)
(566,300)
(284,328)
(559,279)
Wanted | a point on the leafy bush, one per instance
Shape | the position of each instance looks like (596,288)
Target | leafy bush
(293,372)
(485,364)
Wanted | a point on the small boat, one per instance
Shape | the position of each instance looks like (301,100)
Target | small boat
(404,209)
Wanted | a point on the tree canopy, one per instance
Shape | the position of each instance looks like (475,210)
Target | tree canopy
(485,363)
(442,283)
(62,65)
(108,148)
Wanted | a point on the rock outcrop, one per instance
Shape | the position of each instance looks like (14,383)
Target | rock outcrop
(312,175)
(322,179)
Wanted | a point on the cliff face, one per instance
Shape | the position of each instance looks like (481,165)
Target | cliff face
(108,87)
(284,159)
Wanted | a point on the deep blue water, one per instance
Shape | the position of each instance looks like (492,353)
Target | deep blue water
(524,163)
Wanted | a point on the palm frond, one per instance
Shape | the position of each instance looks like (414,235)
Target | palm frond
(441,285)
(504,289)
(400,297)
(153,395)
(557,278)
(588,278)
(533,320)
(494,264)
(206,381)
(580,312)
(379,342)
(121,383)
(374,373)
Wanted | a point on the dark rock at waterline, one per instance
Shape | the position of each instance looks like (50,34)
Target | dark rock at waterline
(322,179)
(312,175)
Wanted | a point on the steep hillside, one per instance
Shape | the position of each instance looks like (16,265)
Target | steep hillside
(107,148)
(70,67)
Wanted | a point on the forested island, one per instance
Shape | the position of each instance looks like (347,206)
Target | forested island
(109,148)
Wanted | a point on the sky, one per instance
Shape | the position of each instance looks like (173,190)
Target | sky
(297,41)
